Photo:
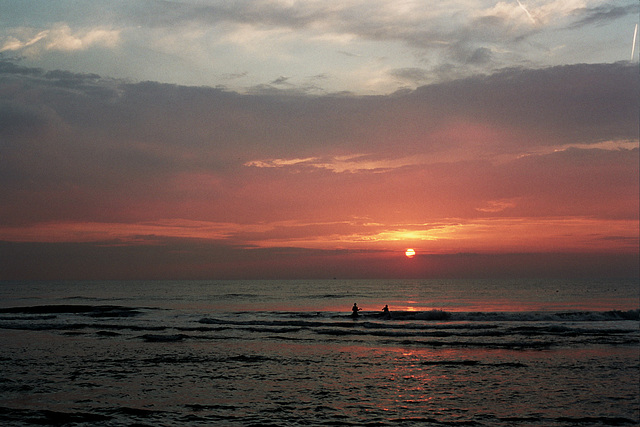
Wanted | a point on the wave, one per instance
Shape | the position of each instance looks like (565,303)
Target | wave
(90,310)
(471,363)
(527,316)
(431,328)
(164,338)
(197,413)
(438,315)
(47,417)
(572,421)
(571,316)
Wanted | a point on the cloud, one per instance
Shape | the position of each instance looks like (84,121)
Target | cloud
(549,155)
(603,14)
(481,55)
(516,110)
(317,129)
(355,42)
(197,259)
(413,75)
(59,38)
(21,120)
(495,206)
(282,80)
(237,75)
(127,234)
(352,163)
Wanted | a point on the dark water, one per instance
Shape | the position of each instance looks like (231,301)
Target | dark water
(482,353)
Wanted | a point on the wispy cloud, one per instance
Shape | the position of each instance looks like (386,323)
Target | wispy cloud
(604,14)
(348,163)
(356,42)
(212,131)
(495,206)
(60,37)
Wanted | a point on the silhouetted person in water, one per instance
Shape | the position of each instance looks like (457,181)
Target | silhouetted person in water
(385,310)
(354,310)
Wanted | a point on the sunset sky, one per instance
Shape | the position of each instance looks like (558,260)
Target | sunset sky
(318,139)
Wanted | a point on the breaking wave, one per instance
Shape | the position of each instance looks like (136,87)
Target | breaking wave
(434,328)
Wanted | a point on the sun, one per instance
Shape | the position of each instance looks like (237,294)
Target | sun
(410,253)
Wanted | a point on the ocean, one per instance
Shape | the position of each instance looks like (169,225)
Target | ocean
(289,353)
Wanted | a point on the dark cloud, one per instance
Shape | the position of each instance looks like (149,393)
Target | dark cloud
(9,66)
(95,149)
(586,103)
(579,103)
(414,75)
(481,55)
(69,79)
(603,14)
(18,120)
(239,75)
(84,157)
(282,80)
(195,259)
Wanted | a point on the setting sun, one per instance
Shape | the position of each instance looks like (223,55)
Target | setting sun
(410,253)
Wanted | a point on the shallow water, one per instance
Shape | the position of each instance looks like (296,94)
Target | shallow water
(287,353)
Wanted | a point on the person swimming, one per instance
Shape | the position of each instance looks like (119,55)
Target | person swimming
(385,310)
(354,310)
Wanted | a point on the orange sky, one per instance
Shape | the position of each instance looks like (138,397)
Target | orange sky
(517,173)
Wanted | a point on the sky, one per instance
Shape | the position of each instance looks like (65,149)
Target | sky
(146,139)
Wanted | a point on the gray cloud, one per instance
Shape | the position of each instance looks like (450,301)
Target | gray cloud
(90,147)
(586,103)
(578,102)
(603,14)
(460,40)
(194,259)
(20,120)
(481,55)
(413,75)
(282,80)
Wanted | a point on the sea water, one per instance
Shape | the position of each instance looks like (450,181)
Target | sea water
(287,353)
